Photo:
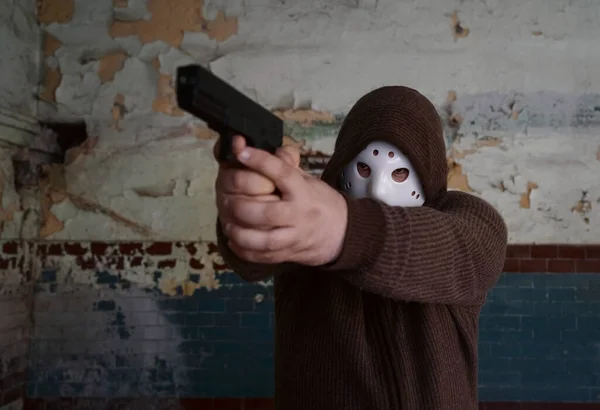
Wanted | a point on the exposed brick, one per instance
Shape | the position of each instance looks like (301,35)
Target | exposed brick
(86,263)
(220,266)
(114,263)
(75,249)
(544,251)
(200,403)
(191,248)
(533,265)
(10,248)
(592,252)
(518,251)
(561,265)
(212,248)
(166,263)
(512,265)
(571,252)
(99,248)
(228,404)
(196,264)
(4,263)
(500,406)
(587,266)
(137,261)
(258,404)
(54,249)
(160,248)
(131,248)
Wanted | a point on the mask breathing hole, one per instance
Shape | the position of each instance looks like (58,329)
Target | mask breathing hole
(400,174)
(363,170)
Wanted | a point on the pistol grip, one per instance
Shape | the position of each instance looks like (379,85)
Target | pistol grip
(226,147)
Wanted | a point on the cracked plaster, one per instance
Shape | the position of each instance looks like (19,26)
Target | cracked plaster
(152,166)
(20,39)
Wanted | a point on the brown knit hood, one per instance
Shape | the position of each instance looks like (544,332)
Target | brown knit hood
(400,116)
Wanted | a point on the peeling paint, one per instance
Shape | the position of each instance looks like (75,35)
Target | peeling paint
(55,11)
(525,201)
(494,138)
(52,80)
(51,44)
(184,269)
(458,31)
(166,100)
(583,207)
(110,64)
(170,20)
(305,118)
(456,179)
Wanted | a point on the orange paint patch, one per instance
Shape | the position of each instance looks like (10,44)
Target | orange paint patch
(110,64)
(222,27)
(51,44)
(171,18)
(456,178)
(525,201)
(166,101)
(306,118)
(55,11)
(52,79)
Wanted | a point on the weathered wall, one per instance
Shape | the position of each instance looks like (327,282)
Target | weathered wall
(20,51)
(515,84)
(20,48)
(15,325)
(166,320)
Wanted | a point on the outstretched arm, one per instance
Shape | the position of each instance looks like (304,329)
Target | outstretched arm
(249,271)
(450,256)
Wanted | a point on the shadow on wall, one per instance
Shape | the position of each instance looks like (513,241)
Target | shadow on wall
(115,340)
(102,343)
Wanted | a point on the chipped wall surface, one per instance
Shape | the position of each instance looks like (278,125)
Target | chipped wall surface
(141,320)
(19,48)
(15,326)
(515,85)
(162,319)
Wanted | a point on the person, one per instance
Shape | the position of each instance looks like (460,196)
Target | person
(379,270)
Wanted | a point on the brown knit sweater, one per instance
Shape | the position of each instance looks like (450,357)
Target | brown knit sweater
(393,323)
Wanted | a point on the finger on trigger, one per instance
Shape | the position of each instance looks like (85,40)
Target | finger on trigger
(238,143)
(289,154)
(285,176)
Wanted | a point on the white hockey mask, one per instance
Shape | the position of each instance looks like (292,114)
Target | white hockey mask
(382,172)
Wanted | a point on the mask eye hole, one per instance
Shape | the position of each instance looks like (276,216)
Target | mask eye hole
(400,175)
(363,170)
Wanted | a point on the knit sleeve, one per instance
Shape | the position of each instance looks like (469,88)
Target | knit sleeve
(453,255)
(249,271)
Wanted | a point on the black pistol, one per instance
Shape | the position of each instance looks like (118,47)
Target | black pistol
(227,111)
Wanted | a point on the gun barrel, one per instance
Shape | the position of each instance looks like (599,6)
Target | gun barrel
(206,96)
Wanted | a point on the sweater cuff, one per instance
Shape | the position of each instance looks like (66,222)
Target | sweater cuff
(365,233)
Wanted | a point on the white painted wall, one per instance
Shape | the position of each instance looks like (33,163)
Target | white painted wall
(525,75)
(20,39)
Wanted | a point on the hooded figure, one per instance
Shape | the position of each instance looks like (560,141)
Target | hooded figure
(393,322)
